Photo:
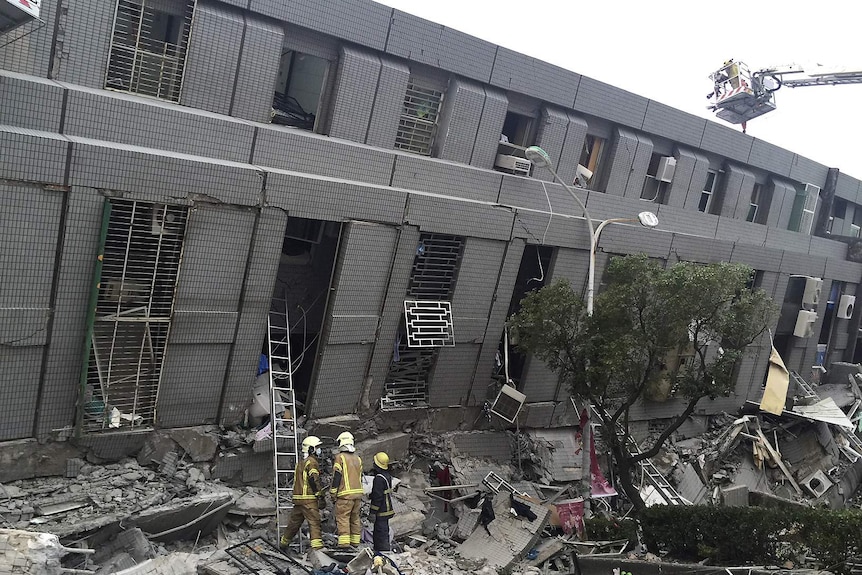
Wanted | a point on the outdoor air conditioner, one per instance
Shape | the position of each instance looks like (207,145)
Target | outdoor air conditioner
(805,323)
(811,295)
(666,168)
(845,306)
(582,176)
(513,163)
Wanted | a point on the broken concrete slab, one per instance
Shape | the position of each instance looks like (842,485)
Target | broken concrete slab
(199,443)
(185,519)
(30,553)
(395,444)
(689,484)
(242,465)
(508,538)
(736,496)
(174,564)
(254,505)
(158,444)
(27,458)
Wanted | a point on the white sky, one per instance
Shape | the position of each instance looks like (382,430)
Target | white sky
(666,50)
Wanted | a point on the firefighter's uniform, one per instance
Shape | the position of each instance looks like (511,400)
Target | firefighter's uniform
(306,490)
(381,502)
(347,492)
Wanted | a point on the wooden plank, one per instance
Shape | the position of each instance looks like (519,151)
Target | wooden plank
(777,458)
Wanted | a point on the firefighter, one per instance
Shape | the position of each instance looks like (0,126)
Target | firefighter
(347,491)
(381,502)
(307,495)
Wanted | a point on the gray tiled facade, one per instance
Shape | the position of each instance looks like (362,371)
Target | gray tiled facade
(67,144)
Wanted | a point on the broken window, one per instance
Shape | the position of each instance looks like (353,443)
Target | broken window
(432,279)
(299,89)
(418,122)
(134,289)
(148,47)
(590,162)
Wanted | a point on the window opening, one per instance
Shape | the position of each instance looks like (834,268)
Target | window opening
(298,89)
(418,121)
(432,279)
(532,275)
(135,287)
(802,214)
(659,176)
(516,135)
(706,196)
(148,47)
(754,204)
(591,160)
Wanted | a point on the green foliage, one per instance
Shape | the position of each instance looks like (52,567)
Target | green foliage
(646,319)
(600,528)
(644,313)
(754,536)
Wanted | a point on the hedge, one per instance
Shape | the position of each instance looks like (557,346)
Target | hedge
(754,535)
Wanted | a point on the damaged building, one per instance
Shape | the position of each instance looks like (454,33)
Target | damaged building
(185,182)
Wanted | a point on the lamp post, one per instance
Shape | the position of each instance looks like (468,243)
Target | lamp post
(540,158)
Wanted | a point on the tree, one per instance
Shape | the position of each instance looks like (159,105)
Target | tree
(645,320)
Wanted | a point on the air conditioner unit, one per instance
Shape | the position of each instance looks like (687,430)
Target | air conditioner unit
(513,163)
(666,168)
(811,294)
(845,306)
(805,323)
(582,176)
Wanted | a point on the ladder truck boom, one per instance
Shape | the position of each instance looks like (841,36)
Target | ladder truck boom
(739,95)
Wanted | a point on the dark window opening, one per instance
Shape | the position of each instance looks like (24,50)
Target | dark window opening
(590,163)
(299,89)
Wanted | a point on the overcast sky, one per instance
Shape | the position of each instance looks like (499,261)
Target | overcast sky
(666,50)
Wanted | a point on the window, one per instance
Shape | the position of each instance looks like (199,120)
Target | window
(432,279)
(856,226)
(706,195)
(754,204)
(516,135)
(129,331)
(148,47)
(418,119)
(298,89)
(591,160)
(658,178)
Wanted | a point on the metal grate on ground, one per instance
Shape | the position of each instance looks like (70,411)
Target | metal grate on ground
(148,47)
(258,557)
(130,318)
(418,120)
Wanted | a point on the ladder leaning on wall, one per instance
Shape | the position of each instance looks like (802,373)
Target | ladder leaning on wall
(282,410)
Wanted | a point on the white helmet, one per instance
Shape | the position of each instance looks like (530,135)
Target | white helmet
(345,439)
(310,443)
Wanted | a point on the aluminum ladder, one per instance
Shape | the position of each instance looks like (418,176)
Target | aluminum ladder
(285,448)
(652,475)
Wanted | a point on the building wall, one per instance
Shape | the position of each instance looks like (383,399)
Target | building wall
(66,145)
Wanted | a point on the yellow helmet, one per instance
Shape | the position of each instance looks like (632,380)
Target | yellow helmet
(346,438)
(312,441)
(381,460)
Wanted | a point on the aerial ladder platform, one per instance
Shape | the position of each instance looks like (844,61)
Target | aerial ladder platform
(739,94)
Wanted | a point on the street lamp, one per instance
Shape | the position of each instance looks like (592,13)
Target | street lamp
(540,158)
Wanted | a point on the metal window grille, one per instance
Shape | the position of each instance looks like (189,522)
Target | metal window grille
(418,119)
(129,327)
(432,278)
(148,47)
(429,323)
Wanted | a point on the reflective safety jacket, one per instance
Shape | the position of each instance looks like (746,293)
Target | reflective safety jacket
(306,480)
(381,495)
(347,476)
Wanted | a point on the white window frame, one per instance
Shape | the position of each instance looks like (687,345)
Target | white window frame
(417,125)
(709,192)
